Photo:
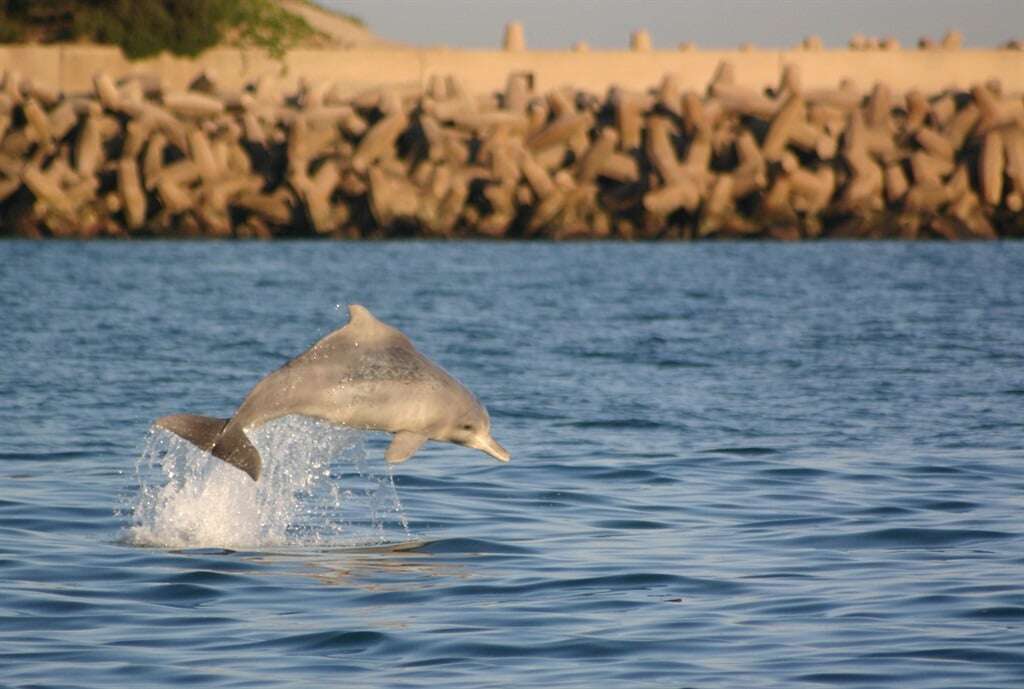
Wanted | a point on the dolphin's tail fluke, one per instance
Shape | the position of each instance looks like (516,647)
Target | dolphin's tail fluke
(201,431)
(233,447)
(208,434)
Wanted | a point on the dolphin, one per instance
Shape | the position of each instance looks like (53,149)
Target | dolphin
(364,375)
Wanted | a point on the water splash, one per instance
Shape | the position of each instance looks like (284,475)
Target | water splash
(318,488)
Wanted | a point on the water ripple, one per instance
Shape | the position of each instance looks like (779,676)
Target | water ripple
(733,465)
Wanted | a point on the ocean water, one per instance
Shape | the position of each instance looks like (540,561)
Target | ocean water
(732,465)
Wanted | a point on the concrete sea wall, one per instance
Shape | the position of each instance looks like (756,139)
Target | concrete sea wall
(515,143)
(71,68)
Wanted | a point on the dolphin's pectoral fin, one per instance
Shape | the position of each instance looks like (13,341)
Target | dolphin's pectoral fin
(404,446)
(235,449)
(201,431)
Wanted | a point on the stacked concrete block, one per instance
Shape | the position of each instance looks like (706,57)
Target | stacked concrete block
(514,39)
(133,159)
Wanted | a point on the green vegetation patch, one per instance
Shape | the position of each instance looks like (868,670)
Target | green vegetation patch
(143,28)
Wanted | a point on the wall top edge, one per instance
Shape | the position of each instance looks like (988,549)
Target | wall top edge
(682,54)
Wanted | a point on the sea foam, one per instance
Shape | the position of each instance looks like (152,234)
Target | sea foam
(317,488)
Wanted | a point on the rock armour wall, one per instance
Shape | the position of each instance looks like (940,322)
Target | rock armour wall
(144,153)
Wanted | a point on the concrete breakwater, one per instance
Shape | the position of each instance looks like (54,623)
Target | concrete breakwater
(136,158)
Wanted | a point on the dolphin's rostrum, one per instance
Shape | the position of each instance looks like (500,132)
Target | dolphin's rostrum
(365,375)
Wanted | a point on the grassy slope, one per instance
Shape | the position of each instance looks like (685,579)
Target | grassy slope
(145,27)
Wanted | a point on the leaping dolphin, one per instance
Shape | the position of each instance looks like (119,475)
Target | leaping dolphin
(364,375)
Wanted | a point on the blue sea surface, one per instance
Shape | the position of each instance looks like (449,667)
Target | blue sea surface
(733,465)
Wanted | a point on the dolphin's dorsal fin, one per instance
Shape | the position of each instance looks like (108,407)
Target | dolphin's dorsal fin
(362,323)
(358,314)
(362,328)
